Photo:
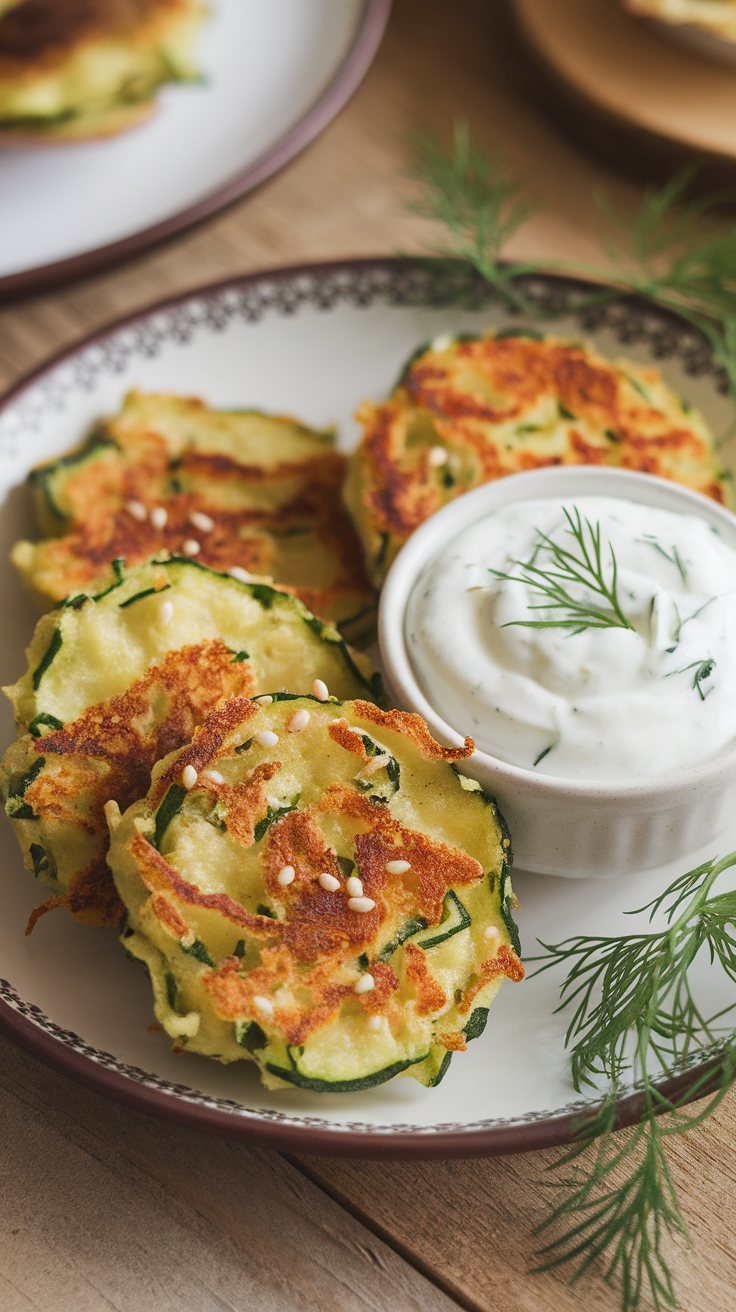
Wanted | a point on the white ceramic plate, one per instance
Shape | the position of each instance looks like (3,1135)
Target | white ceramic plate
(314,342)
(274,75)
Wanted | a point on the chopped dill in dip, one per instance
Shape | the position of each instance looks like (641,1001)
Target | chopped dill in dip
(592,638)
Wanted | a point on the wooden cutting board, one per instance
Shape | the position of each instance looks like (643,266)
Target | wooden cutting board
(628,94)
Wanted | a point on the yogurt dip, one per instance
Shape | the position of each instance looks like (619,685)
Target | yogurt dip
(652,690)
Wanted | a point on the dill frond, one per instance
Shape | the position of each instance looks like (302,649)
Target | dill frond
(675,251)
(481,207)
(552,581)
(634,1010)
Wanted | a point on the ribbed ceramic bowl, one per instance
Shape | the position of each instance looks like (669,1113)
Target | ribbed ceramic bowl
(568,826)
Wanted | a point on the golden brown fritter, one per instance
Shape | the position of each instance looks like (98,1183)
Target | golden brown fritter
(469,411)
(256,492)
(86,68)
(331,903)
(37,33)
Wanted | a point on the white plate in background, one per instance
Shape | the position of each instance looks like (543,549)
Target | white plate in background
(274,75)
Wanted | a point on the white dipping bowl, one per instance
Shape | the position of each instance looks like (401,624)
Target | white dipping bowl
(558,826)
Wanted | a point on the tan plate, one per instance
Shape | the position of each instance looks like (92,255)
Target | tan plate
(635,99)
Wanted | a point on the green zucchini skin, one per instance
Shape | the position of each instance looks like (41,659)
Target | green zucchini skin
(16,807)
(48,481)
(476,1024)
(170,806)
(506,908)
(294,1076)
(413,928)
(453,905)
(52,650)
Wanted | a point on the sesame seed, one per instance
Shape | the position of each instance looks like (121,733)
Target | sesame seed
(240,574)
(375,1022)
(491,934)
(285,876)
(214,776)
(437,455)
(159,517)
(397,867)
(298,721)
(365,984)
(264,1005)
(263,701)
(166,612)
(361,904)
(442,343)
(355,886)
(329,883)
(201,521)
(319,690)
(266,738)
(190,547)
(189,776)
(137,510)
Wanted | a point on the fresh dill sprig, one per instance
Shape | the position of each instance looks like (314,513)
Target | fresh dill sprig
(552,581)
(675,252)
(703,671)
(481,207)
(634,1010)
(674,559)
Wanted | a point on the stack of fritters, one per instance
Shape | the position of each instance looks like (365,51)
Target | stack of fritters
(117,680)
(468,410)
(71,69)
(305,877)
(231,489)
(312,886)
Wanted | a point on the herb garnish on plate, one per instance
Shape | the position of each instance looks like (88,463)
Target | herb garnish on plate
(673,255)
(635,1010)
(552,581)
(635,1007)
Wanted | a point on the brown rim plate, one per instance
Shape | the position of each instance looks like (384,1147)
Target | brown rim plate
(312,340)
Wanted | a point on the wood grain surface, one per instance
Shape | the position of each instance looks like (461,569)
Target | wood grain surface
(101,1208)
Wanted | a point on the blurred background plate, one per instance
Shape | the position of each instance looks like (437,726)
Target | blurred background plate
(312,341)
(696,39)
(631,96)
(275,74)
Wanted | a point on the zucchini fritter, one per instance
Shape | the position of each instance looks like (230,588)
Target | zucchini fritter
(72,69)
(468,410)
(235,488)
(117,680)
(312,886)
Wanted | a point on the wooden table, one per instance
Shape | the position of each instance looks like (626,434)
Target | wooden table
(104,1209)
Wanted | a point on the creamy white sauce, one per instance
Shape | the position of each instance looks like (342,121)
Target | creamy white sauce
(606,703)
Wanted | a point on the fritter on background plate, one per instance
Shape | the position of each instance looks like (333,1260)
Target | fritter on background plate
(468,410)
(717,16)
(312,886)
(72,69)
(260,493)
(117,680)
